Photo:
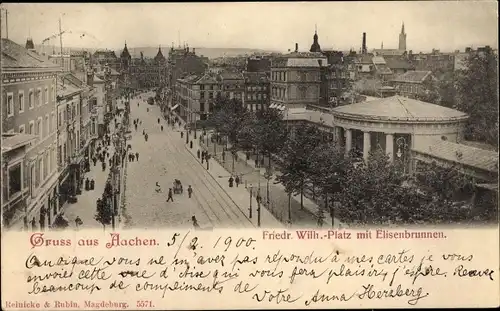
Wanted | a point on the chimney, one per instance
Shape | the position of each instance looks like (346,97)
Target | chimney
(194,50)
(296,47)
(363,46)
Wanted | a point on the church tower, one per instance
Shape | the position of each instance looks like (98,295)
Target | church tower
(315,46)
(402,38)
(125,58)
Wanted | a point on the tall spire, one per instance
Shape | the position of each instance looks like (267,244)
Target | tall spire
(315,46)
(403,28)
(382,45)
(402,38)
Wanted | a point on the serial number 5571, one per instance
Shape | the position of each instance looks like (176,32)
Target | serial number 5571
(144,304)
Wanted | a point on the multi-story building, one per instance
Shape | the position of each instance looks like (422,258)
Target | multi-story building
(296,79)
(256,94)
(105,58)
(29,106)
(412,83)
(69,104)
(258,64)
(233,85)
(181,63)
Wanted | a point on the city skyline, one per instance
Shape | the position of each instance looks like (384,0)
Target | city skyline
(442,25)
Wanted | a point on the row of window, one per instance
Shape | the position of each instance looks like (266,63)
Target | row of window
(39,129)
(278,92)
(278,76)
(256,88)
(409,88)
(16,102)
(40,170)
(210,87)
(257,96)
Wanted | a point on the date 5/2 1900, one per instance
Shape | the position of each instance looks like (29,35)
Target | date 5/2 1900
(144,304)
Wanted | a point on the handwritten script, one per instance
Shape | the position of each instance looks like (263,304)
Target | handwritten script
(238,266)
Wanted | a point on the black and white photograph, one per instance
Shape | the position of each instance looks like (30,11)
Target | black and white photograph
(292,115)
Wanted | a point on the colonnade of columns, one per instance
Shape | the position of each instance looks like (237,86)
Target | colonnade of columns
(389,143)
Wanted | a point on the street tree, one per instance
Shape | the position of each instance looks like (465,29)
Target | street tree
(329,168)
(228,117)
(104,210)
(477,95)
(295,159)
(376,192)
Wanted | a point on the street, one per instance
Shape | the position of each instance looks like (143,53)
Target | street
(164,158)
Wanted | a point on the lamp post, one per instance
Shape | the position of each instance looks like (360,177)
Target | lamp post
(250,209)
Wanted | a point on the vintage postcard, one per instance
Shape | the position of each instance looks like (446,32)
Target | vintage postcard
(291,155)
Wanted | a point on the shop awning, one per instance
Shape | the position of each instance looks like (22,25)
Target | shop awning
(272,106)
(172,108)
(281,107)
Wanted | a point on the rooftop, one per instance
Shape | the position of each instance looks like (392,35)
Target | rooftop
(231,75)
(399,108)
(413,76)
(15,56)
(256,77)
(474,157)
(398,63)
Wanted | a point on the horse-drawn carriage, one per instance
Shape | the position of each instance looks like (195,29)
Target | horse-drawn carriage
(177,187)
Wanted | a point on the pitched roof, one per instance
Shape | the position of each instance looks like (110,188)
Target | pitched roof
(399,108)
(207,79)
(255,77)
(398,63)
(15,56)
(364,59)
(231,75)
(474,157)
(66,89)
(413,76)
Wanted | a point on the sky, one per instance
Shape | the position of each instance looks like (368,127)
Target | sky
(271,26)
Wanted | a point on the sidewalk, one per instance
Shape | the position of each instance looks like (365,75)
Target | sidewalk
(239,195)
(305,217)
(85,207)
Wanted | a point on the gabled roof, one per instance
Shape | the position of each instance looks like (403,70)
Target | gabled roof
(255,77)
(413,76)
(364,59)
(15,56)
(231,75)
(399,108)
(66,90)
(398,63)
(125,53)
(207,79)
(474,157)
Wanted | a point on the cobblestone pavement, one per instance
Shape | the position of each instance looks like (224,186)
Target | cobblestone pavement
(162,159)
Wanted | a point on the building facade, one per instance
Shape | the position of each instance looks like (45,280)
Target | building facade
(296,80)
(29,94)
(256,94)
(412,83)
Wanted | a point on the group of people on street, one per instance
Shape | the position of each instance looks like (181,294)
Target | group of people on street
(232,180)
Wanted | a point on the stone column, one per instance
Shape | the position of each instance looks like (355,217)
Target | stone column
(348,141)
(366,145)
(336,135)
(389,146)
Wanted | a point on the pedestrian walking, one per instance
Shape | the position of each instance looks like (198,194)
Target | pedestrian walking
(137,156)
(256,163)
(161,128)
(170,198)
(237,180)
(223,156)
(195,222)
(190,191)
(78,222)
(103,166)
(143,132)
(191,144)
(182,134)
(198,153)
(146,137)
(231,180)
(94,160)
(33,224)
(158,120)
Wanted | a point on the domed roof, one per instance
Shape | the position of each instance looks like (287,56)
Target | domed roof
(398,108)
